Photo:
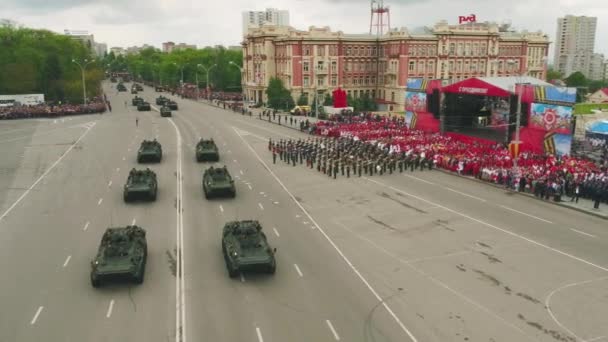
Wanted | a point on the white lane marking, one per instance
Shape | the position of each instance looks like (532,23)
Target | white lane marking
(465,194)
(333,330)
(305,222)
(242,278)
(117,169)
(275,202)
(221,208)
(86,226)
(180,288)
(133,222)
(259,333)
(109,184)
(109,313)
(261,193)
(526,214)
(596,339)
(36,315)
(99,202)
(298,216)
(241,171)
(276,232)
(333,244)
(581,232)
(261,206)
(124,158)
(508,232)
(298,270)
(27,191)
(420,179)
(249,186)
(234,160)
(157,138)
(67,260)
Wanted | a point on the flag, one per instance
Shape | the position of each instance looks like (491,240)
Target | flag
(549,143)
(413,121)
(514,149)
(539,93)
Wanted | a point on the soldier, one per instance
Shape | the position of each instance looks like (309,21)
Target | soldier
(274,156)
(335,169)
(269,143)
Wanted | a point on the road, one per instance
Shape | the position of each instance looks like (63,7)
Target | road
(420,256)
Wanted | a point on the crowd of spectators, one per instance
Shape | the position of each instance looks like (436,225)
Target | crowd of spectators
(52,110)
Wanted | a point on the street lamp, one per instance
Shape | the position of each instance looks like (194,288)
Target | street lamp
(519,78)
(242,83)
(181,66)
(206,84)
(82,69)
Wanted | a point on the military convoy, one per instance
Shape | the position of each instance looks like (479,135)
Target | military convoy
(133,90)
(138,87)
(171,104)
(121,87)
(150,151)
(141,184)
(136,100)
(165,111)
(218,182)
(121,255)
(206,150)
(160,101)
(143,106)
(246,248)
(159,89)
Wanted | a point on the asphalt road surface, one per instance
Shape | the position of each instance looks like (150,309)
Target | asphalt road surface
(420,256)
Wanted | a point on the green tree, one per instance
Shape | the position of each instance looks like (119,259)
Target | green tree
(302,100)
(596,85)
(278,95)
(553,74)
(328,101)
(576,79)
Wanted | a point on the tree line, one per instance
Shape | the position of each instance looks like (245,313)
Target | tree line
(36,61)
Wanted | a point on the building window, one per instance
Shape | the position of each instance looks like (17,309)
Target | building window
(459,66)
(374,51)
(373,80)
(366,80)
(421,67)
(484,49)
(475,49)
(321,81)
(460,49)
(321,50)
(392,96)
(307,51)
(356,93)
(320,65)
(334,81)
(412,66)
(452,49)
(474,66)
(334,67)
(306,81)
(451,66)
(431,67)
(306,66)
(348,51)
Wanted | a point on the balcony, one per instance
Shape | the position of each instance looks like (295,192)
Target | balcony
(390,71)
(321,71)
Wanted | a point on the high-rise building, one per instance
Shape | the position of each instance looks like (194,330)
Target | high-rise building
(168,47)
(83,36)
(100,49)
(272,16)
(574,45)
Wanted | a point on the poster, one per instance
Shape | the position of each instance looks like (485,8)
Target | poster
(557,94)
(415,101)
(551,118)
(563,144)
(499,118)
(410,119)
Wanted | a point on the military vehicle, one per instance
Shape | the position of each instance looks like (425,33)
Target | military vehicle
(161,100)
(121,255)
(136,100)
(150,151)
(171,104)
(143,106)
(138,87)
(206,150)
(133,90)
(218,182)
(141,184)
(165,111)
(159,89)
(121,87)
(113,80)
(246,248)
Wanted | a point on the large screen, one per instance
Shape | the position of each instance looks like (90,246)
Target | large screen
(551,118)
(415,101)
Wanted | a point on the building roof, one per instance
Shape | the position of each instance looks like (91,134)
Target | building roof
(605,91)
(508,83)
(491,86)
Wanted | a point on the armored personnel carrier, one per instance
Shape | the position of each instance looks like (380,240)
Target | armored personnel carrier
(143,106)
(121,255)
(138,87)
(136,100)
(218,182)
(133,90)
(206,150)
(141,184)
(165,111)
(150,151)
(171,104)
(161,100)
(121,87)
(246,248)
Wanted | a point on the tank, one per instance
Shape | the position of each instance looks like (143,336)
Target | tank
(217,182)
(136,100)
(138,87)
(121,87)
(158,89)
(246,248)
(141,185)
(133,90)
(121,256)
(206,150)
(161,100)
(171,104)
(165,111)
(143,106)
(113,80)
(150,151)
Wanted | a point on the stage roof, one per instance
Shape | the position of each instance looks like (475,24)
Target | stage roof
(491,86)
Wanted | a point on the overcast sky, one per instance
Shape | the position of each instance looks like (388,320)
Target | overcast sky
(210,22)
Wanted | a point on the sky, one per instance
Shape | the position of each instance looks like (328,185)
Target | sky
(206,23)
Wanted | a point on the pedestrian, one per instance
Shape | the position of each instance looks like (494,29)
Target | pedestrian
(136,122)
(576,194)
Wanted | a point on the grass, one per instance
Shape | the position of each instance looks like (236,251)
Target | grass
(585,108)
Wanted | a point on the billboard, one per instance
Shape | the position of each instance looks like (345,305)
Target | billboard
(21,99)
(557,144)
(417,84)
(410,119)
(499,117)
(555,94)
(415,101)
(550,117)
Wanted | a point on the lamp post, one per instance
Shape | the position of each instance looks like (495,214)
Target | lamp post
(181,66)
(206,84)
(82,69)
(316,81)
(518,116)
(242,83)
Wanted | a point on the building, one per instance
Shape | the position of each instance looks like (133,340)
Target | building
(168,47)
(272,16)
(183,46)
(600,96)
(137,49)
(322,60)
(118,51)
(83,36)
(100,49)
(596,67)
(574,45)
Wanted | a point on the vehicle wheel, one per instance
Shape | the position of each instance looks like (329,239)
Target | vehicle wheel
(232,273)
(138,159)
(95,282)
(139,279)
(272,269)
(126,197)
(153,197)
(206,194)
(233,194)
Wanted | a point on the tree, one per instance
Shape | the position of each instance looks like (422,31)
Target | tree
(328,100)
(302,100)
(553,74)
(576,79)
(278,95)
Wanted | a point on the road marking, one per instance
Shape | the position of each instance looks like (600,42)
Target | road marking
(521,212)
(99,202)
(261,206)
(249,186)
(580,232)
(305,222)
(333,330)
(259,333)
(27,191)
(242,278)
(221,208)
(86,226)
(36,315)
(117,169)
(298,270)
(110,184)
(465,194)
(298,216)
(275,202)
(133,222)
(333,244)
(231,152)
(224,144)
(234,160)
(124,158)
(276,232)
(67,260)
(261,193)
(420,179)
(596,339)
(241,171)
(109,313)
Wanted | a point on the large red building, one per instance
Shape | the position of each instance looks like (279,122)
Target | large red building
(319,60)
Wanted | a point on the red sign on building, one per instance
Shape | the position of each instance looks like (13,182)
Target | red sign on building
(467,19)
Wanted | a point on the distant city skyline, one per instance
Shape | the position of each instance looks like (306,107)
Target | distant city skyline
(220,23)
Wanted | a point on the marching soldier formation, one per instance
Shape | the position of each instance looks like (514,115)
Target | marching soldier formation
(345,156)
